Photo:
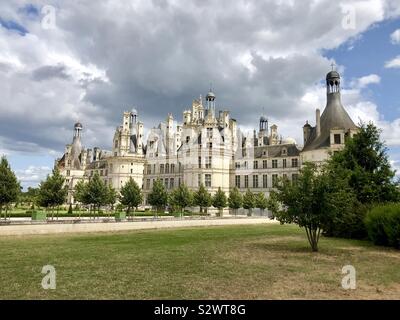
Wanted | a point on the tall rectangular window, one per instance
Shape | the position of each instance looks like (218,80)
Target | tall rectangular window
(166,183)
(274,164)
(284,163)
(167,168)
(337,138)
(172,168)
(148,184)
(265,164)
(237,181)
(295,163)
(209,132)
(265,181)
(255,164)
(274,180)
(207,180)
(255,181)
(199,162)
(171,183)
(149,169)
(208,163)
(246,181)
(161,168)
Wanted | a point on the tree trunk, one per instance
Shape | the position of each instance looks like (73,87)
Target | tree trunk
(313,237)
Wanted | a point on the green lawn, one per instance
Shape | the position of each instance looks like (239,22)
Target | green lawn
(235,262)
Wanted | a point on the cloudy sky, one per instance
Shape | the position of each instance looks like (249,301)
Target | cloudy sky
(64,61)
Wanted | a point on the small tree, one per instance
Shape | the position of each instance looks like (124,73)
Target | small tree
(52,191)
(131,195)
(261,201)
(312,202)
(158,197)
(249,201)
(81,193)
(97,193)
(9,185)
(70,211)
(111,196)
(202,198)
(235,200)
(219,201)
(181,197)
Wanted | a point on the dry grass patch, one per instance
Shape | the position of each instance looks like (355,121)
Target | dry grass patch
(227,262)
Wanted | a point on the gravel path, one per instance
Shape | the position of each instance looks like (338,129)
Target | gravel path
(51,228)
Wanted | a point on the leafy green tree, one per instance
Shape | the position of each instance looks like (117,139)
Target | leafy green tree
(158,197)
(314,201)
(9,186)
(261,202)
(80,192)
(219,201)
(131,195)
(53,191)
(202,198)
(364,163)
(181,198)
(97,192)
(249,201)
(365,160)
(235,200)
(111,196)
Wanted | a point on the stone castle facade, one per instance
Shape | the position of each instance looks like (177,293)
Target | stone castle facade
(207,148)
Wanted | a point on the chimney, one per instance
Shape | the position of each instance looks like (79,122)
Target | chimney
(318,122)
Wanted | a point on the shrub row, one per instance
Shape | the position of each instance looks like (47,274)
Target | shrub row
(383,225)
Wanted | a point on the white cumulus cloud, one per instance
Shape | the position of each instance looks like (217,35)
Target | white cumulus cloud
(395,37)
(394,63)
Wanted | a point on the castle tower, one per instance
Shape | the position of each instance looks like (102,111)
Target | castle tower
(333,125)
(76,147)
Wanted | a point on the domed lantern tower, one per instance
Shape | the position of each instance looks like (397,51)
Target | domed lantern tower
(210,98)
(78,130)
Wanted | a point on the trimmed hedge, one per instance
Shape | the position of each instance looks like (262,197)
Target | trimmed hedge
(383,225)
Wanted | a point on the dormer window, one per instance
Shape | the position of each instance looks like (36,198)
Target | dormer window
(337,139)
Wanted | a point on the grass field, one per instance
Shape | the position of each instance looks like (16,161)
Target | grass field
(235,262)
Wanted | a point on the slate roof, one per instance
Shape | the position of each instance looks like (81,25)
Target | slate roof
(334,116)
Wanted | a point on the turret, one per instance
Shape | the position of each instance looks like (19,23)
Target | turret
(306,132)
